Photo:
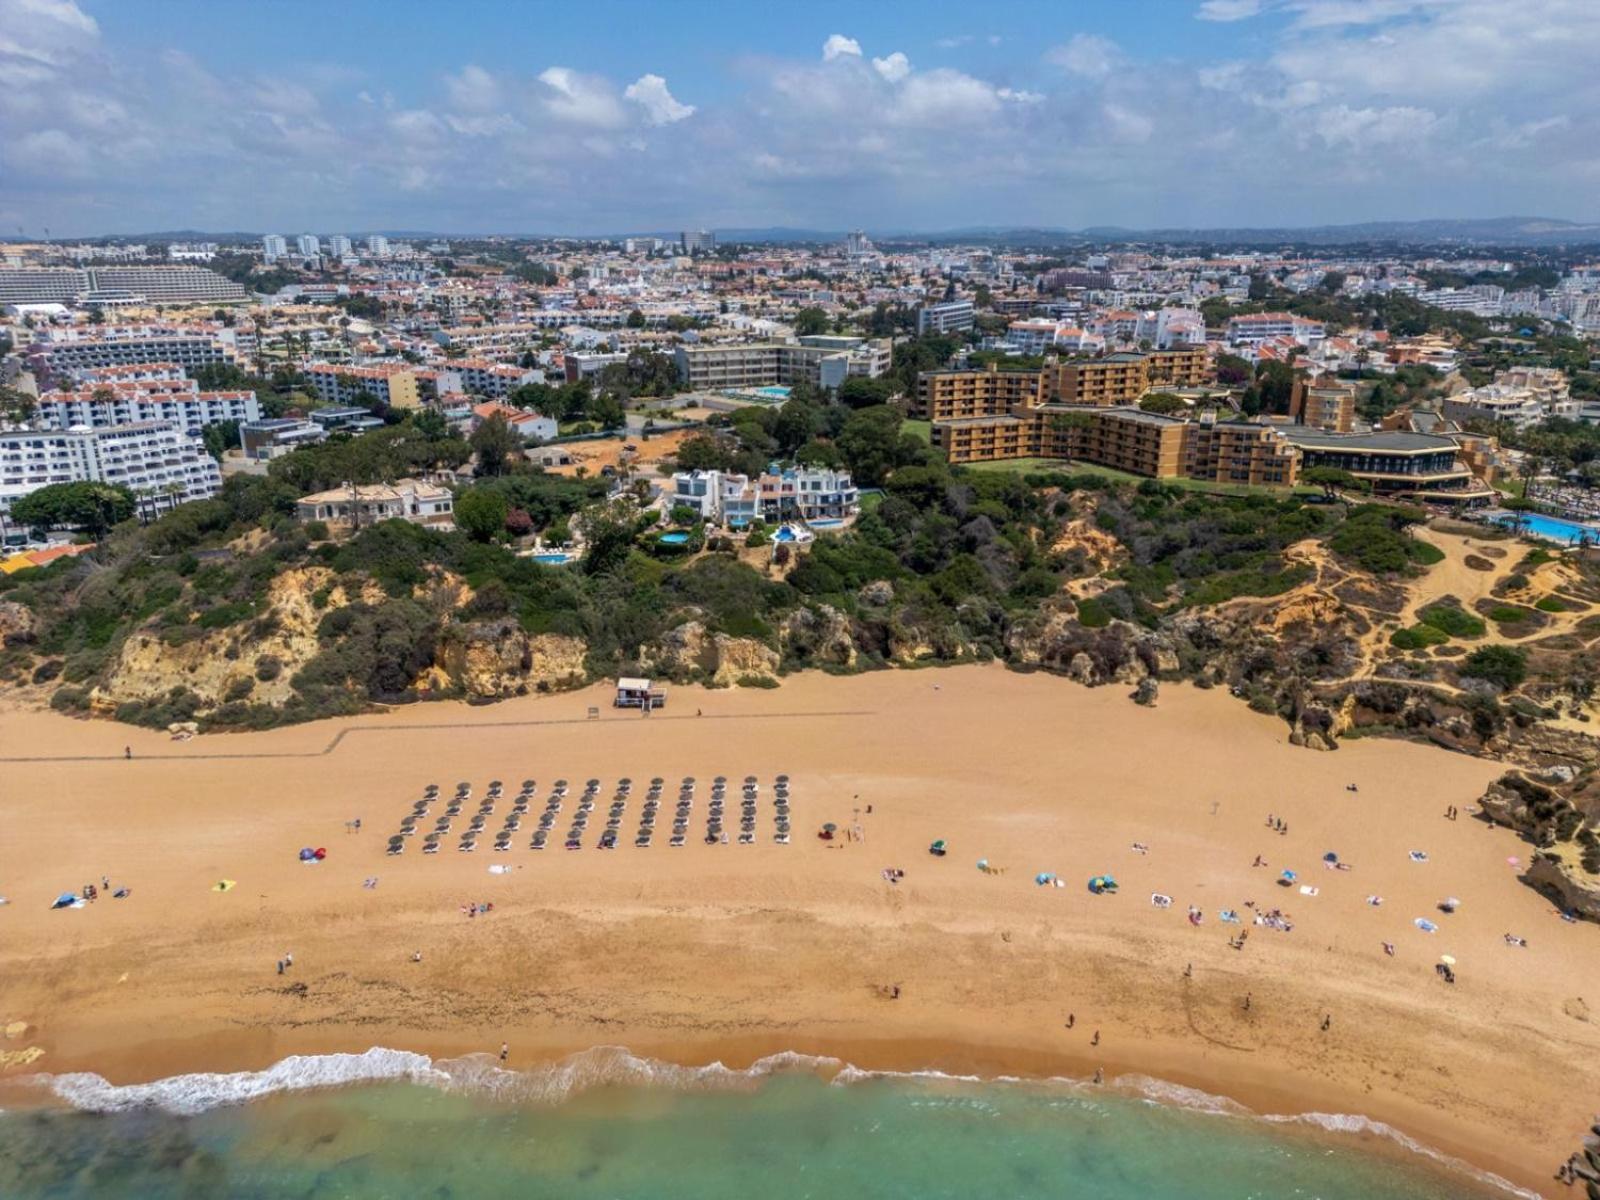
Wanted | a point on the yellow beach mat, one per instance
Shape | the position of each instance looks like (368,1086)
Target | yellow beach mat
(223,885)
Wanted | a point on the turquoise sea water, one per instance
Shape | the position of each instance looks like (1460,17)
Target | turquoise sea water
(779,1138)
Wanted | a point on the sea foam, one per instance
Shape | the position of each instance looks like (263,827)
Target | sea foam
(615,1066)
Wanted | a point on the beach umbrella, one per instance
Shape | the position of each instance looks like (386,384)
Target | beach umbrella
(307,854)
(829,827)
(66,900)
(1043,877)
(983,864)
(1425,925)
(223,885)
(321,853)
(1288,877)
(1448,960)
(1330,857)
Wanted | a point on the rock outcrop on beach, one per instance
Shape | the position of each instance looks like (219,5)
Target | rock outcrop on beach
(1557,810)
(490,660)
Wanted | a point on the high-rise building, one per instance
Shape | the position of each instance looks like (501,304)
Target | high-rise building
(339,245)
(273,247)
(309,245)
(116,285)
(698,241)
(856,244)
(378,246)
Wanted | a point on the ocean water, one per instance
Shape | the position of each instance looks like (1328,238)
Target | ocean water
(610,1126)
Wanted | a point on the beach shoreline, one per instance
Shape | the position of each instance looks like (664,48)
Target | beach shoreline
(734,953)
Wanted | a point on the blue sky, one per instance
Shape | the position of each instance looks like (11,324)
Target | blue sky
(619,115)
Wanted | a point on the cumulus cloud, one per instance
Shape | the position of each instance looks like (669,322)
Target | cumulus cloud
(1087,55)
(894,68)
(650,93)
(581,99)
(838,46)
(1330,110)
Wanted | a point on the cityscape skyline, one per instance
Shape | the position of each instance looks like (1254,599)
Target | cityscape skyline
(1190,113)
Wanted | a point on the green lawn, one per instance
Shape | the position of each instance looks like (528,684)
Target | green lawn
(918,429)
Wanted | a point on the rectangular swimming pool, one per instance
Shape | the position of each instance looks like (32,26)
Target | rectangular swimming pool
(1554,529)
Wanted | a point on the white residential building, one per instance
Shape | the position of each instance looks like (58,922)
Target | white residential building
(1254,328)
(60,353)
(274,247)
(949,316)
(160,464)
(175,402)
(1032,337)
(404,500)
(378,246)
(339,245)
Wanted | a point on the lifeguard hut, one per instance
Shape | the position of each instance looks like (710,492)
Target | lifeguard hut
(634,692)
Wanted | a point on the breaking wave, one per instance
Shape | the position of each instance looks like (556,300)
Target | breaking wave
(615,1066)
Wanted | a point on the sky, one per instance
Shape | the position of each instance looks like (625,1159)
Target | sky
(618,116)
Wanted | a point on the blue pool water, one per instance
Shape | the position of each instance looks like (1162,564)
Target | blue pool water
(826,523)
(703,1134)
(552,559)
(675,538)
(775,392)
(1568,533)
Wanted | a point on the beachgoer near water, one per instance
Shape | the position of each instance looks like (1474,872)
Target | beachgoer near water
(127,752)
(1099,1075)
(505,1051)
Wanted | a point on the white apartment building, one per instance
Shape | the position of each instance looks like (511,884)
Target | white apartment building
(354,506)
(1483,300)
(378,246)
(339,245)
(174,402)
(780,494)
(949,316)
(160,464)
(116,285)
(1254,328)
(309,245)
(1032,337)
(60,353)
(720,497)
(274,247)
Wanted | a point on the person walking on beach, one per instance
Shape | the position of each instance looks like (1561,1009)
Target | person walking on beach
(505,1051)
(1327,1020)
(288,960)
(1099,1075)
(1095,1040)
(280,966)
(1071,1020)
(127,752)
(1188,971)
(1247,1002)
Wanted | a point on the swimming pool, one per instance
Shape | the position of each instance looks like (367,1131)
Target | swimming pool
(676,538)
(774,392)
(826,523)
(555,560)
(1553,529)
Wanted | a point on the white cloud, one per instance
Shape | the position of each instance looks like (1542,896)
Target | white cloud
(1125,125)
(1087,55)
(894,68)
(1343,126)
(660,106)
(473,90)
(943,96)
(838,45)
(950,43)
(1229,10)
(581,99)
(1017,96)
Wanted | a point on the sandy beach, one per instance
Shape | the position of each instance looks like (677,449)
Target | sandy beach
(733,952)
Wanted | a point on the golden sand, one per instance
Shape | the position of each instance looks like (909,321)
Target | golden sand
(732,952)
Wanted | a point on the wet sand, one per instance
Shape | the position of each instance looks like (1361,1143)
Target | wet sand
(734,952)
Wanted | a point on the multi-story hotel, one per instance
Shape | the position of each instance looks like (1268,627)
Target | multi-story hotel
(160,464)
(949,316)
(178,402)
(1416,466)
(1116,379)
(88,285)
(1330,407)
(822,361)
(59,354)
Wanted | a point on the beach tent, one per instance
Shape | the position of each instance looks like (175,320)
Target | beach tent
(223,885)
(1101,884)
(1044,877)
(1287,878)
(68,900)
(307,854)
(938,849)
